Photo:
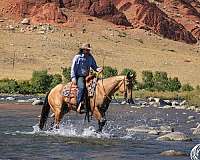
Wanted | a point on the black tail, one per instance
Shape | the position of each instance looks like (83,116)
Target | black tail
(45,112)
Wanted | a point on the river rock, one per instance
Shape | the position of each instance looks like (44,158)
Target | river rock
(173,153)
(196,131)
(2,99)
(25,21)
(31,100)
(166,129)
(174,136)
(21,101)
(183,103)
(175,103)
(142,129)
(123,103)
(180,107)
(145,129)
(37,102)
(154,132)
(191,117)
(10,98)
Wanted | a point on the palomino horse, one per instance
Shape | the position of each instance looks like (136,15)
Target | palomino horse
(99,103)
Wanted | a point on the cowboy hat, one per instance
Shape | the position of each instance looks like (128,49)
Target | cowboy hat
(86,46)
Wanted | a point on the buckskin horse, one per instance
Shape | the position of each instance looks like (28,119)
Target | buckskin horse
(99,103)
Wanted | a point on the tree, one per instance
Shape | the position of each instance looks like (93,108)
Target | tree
(173,84)
(25,87)
(147,79)
(160,81)
(57,79)
(8,86)
(41,81)
(66,72)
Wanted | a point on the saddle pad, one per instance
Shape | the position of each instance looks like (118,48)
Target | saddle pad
(92,87)
(70,91)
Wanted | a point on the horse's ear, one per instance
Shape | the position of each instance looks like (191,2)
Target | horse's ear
(129,75)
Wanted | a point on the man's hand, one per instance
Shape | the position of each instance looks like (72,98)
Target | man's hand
(99,70)
(74,81)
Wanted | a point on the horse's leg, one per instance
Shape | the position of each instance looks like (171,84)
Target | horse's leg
(58,116)
(101,120)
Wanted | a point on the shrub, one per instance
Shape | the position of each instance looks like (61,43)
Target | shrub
(57,79)
(147,80)
(160,81)
(8,86)
(109,72)
(187,87)
(198,87)
(173,84)
(41,81)
(66,72)
(25,87)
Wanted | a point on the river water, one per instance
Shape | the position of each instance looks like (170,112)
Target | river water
(77,140)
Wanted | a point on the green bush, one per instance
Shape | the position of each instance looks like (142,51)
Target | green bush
(66,72)
(173,84)
(25,87)
(109,72)
(147,80)
(57,79)
(160,81)
(41,81)
(8,86)
(198,88)
(187,87)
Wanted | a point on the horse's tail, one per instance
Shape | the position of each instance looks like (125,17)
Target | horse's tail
(45,112)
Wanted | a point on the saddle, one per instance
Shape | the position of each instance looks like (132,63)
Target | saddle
(70,90)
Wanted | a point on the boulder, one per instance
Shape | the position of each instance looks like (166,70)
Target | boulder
(174,136)
(191,117)
(10,98)
(21,101)
(37,102)
(25,21)
(173,153)
(196,131)
(184,102)
(31,100)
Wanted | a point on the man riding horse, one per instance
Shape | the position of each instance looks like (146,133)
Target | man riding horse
(82,62)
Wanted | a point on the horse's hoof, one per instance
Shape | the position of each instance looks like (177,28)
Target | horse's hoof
(82,111)
(98,131)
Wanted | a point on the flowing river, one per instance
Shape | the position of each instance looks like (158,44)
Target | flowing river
(77,139)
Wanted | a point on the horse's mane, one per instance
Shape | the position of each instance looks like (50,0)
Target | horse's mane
(116,78)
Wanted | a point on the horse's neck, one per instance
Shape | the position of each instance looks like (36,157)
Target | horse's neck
(111,85)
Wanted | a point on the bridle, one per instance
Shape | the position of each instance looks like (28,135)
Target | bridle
(124,91)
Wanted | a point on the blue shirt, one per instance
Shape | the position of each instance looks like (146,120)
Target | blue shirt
(81,65)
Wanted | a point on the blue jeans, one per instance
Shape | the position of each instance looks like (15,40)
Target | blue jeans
(81,89)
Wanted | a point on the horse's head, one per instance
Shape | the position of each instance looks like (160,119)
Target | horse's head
(126,84)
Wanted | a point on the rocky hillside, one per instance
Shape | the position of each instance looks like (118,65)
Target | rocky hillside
(178,20)
(144,14)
